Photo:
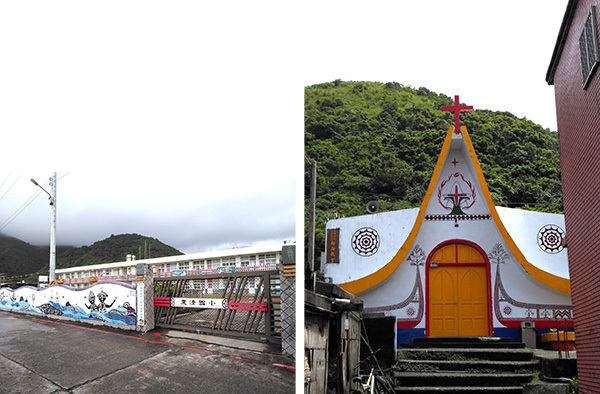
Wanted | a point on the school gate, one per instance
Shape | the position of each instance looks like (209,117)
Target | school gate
(242,304)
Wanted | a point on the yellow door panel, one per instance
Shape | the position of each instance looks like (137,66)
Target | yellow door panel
(442,303)
(447,254)
(472,301)
(458,295)
(468,254)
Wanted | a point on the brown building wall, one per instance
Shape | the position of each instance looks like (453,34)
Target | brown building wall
(578,115)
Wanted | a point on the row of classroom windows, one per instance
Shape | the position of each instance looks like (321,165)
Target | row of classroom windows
(195,265)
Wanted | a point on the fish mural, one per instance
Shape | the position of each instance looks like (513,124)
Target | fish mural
(49,309)
(108,302)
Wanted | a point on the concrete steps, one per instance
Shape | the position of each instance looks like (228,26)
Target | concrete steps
(465,342)
(470,365)
(462,389)
(459,365)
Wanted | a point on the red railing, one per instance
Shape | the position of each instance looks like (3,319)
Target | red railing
(249,306)
(162,301)
(131,277)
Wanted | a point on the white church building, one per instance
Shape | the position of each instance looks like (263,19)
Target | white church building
(458,265)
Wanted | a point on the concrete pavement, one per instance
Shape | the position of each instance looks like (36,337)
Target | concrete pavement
(50,356)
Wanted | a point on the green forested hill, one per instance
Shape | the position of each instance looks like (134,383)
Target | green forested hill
(113,249)
(380,141)
(19,259)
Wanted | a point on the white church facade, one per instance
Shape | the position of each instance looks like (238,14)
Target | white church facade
(458,265)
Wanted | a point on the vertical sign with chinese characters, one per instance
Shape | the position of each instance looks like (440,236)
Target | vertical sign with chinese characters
(333,245)
(140,300)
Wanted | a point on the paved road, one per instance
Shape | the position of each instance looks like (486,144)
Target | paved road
(49,356)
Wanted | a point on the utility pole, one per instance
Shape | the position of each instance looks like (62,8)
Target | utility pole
(311,228)
(52,198)
(53,231)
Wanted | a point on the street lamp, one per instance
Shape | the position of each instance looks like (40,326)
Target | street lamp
(52,198)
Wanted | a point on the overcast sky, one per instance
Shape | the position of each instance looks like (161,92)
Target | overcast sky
(183,120)
(494,54)
(175,120)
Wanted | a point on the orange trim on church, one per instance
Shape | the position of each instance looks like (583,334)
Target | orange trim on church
(365,283)
(359,285)
(556,282)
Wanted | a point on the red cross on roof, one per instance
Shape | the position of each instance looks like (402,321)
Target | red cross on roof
(456,108)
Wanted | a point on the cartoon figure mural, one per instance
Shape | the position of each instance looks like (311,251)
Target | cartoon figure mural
(65,301)
(92,298)
(102,296)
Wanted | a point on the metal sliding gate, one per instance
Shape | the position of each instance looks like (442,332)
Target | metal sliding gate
(243,304)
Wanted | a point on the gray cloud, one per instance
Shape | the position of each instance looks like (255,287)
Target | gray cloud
(206,222)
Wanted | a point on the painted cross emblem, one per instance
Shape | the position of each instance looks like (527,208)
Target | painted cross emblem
(457,108)
(456,197)
(456,194)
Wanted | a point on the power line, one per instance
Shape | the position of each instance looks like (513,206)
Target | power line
(23,206)
(27,202)
(19,210)
(11,186)
(4,181)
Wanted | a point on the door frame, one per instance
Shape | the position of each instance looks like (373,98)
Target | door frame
(487,274)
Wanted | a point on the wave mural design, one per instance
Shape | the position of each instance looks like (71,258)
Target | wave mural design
(109,302)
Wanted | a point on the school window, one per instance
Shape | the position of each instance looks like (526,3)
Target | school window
(244,261)
(588,48)
(197,265)
(271,259)
(208,264)
(184,266)
(228,262)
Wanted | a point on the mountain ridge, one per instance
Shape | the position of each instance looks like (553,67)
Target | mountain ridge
(19,258)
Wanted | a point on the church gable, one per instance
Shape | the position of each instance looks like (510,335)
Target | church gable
(455,244)
(457,194)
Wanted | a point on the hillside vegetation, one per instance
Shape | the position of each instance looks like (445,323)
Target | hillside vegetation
(20,261)
(18,257)
(113,249)
(380,141)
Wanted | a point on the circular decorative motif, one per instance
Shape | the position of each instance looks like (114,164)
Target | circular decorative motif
(365,241)
(411,311)
(507,310)
(550,238)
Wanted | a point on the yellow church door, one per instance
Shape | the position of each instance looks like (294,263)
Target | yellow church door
(458,292)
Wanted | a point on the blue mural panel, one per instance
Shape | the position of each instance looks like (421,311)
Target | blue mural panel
(109,302)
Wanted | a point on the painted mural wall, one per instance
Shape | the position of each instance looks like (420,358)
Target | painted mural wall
(106,302)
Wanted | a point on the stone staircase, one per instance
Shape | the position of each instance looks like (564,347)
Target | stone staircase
(463,365)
